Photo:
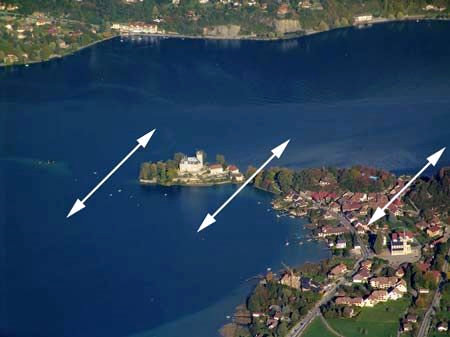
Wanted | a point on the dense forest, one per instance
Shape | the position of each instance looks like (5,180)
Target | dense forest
(354,179)
(434,193)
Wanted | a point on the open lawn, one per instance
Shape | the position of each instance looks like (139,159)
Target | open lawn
(379,321)
(317,329)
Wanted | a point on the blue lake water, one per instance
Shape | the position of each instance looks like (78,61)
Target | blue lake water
(131,263)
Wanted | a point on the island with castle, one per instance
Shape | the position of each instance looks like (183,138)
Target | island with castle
(190,171)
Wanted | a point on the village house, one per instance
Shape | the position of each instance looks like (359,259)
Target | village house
(422,225)
(345,300)
(410,318)
(338,270)
(400,272)
(434,231)
(362,19)
(291,280)
(375,297)
(233,169)
(332,231)
(395,294)
(341,244)
(406,327)
(361,276)
(383,282)
(442,327)
(283,9)
(350,206)
(215,169)
(367,264)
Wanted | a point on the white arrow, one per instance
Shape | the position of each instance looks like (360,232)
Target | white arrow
(142,142)
(432,160)
(210,219)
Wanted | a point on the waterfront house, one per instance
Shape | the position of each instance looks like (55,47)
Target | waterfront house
(362,19)
(291,280)
(216,169)
(331,231)
(234,170)
(338,270)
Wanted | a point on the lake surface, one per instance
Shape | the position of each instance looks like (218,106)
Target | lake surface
(131,263)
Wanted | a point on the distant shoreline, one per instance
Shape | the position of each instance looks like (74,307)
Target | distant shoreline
(289,36)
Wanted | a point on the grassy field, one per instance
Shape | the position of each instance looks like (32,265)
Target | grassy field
(379,321)
(317,329)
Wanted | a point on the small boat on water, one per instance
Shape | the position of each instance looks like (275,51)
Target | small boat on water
(287,243)
(269,269)
(309,240)
(291,216)
(300,243)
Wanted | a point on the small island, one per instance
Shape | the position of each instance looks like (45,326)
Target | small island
(190,171)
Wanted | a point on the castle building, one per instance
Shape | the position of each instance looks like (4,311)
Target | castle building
(192,164)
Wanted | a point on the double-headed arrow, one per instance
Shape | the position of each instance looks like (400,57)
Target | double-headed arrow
(210,219)
(142,142)
(380,212)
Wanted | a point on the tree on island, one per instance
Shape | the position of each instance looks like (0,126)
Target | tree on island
(220,158)
(177,157)
(378,245)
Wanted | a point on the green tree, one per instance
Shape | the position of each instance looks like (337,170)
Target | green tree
(282,329)
(220,158)
(378,245)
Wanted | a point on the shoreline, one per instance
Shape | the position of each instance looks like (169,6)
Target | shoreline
(145,182)
(289,36)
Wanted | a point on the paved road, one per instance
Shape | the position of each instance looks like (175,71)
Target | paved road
(365,252)
(301,326)
(425,325)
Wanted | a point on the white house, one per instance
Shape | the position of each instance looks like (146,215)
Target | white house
(216,169)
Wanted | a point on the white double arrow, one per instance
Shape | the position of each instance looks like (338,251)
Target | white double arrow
(380,212)
(142,142)
(210,219)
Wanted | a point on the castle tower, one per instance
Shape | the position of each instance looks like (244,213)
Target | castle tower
(199,155)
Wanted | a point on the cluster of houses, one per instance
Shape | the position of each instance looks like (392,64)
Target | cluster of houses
(275,313)
(385,288)
(8,7)
(272,318)
(195,166)
(137,28)
(355,207)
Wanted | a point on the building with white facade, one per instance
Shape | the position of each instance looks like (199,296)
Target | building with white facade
(192,164)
